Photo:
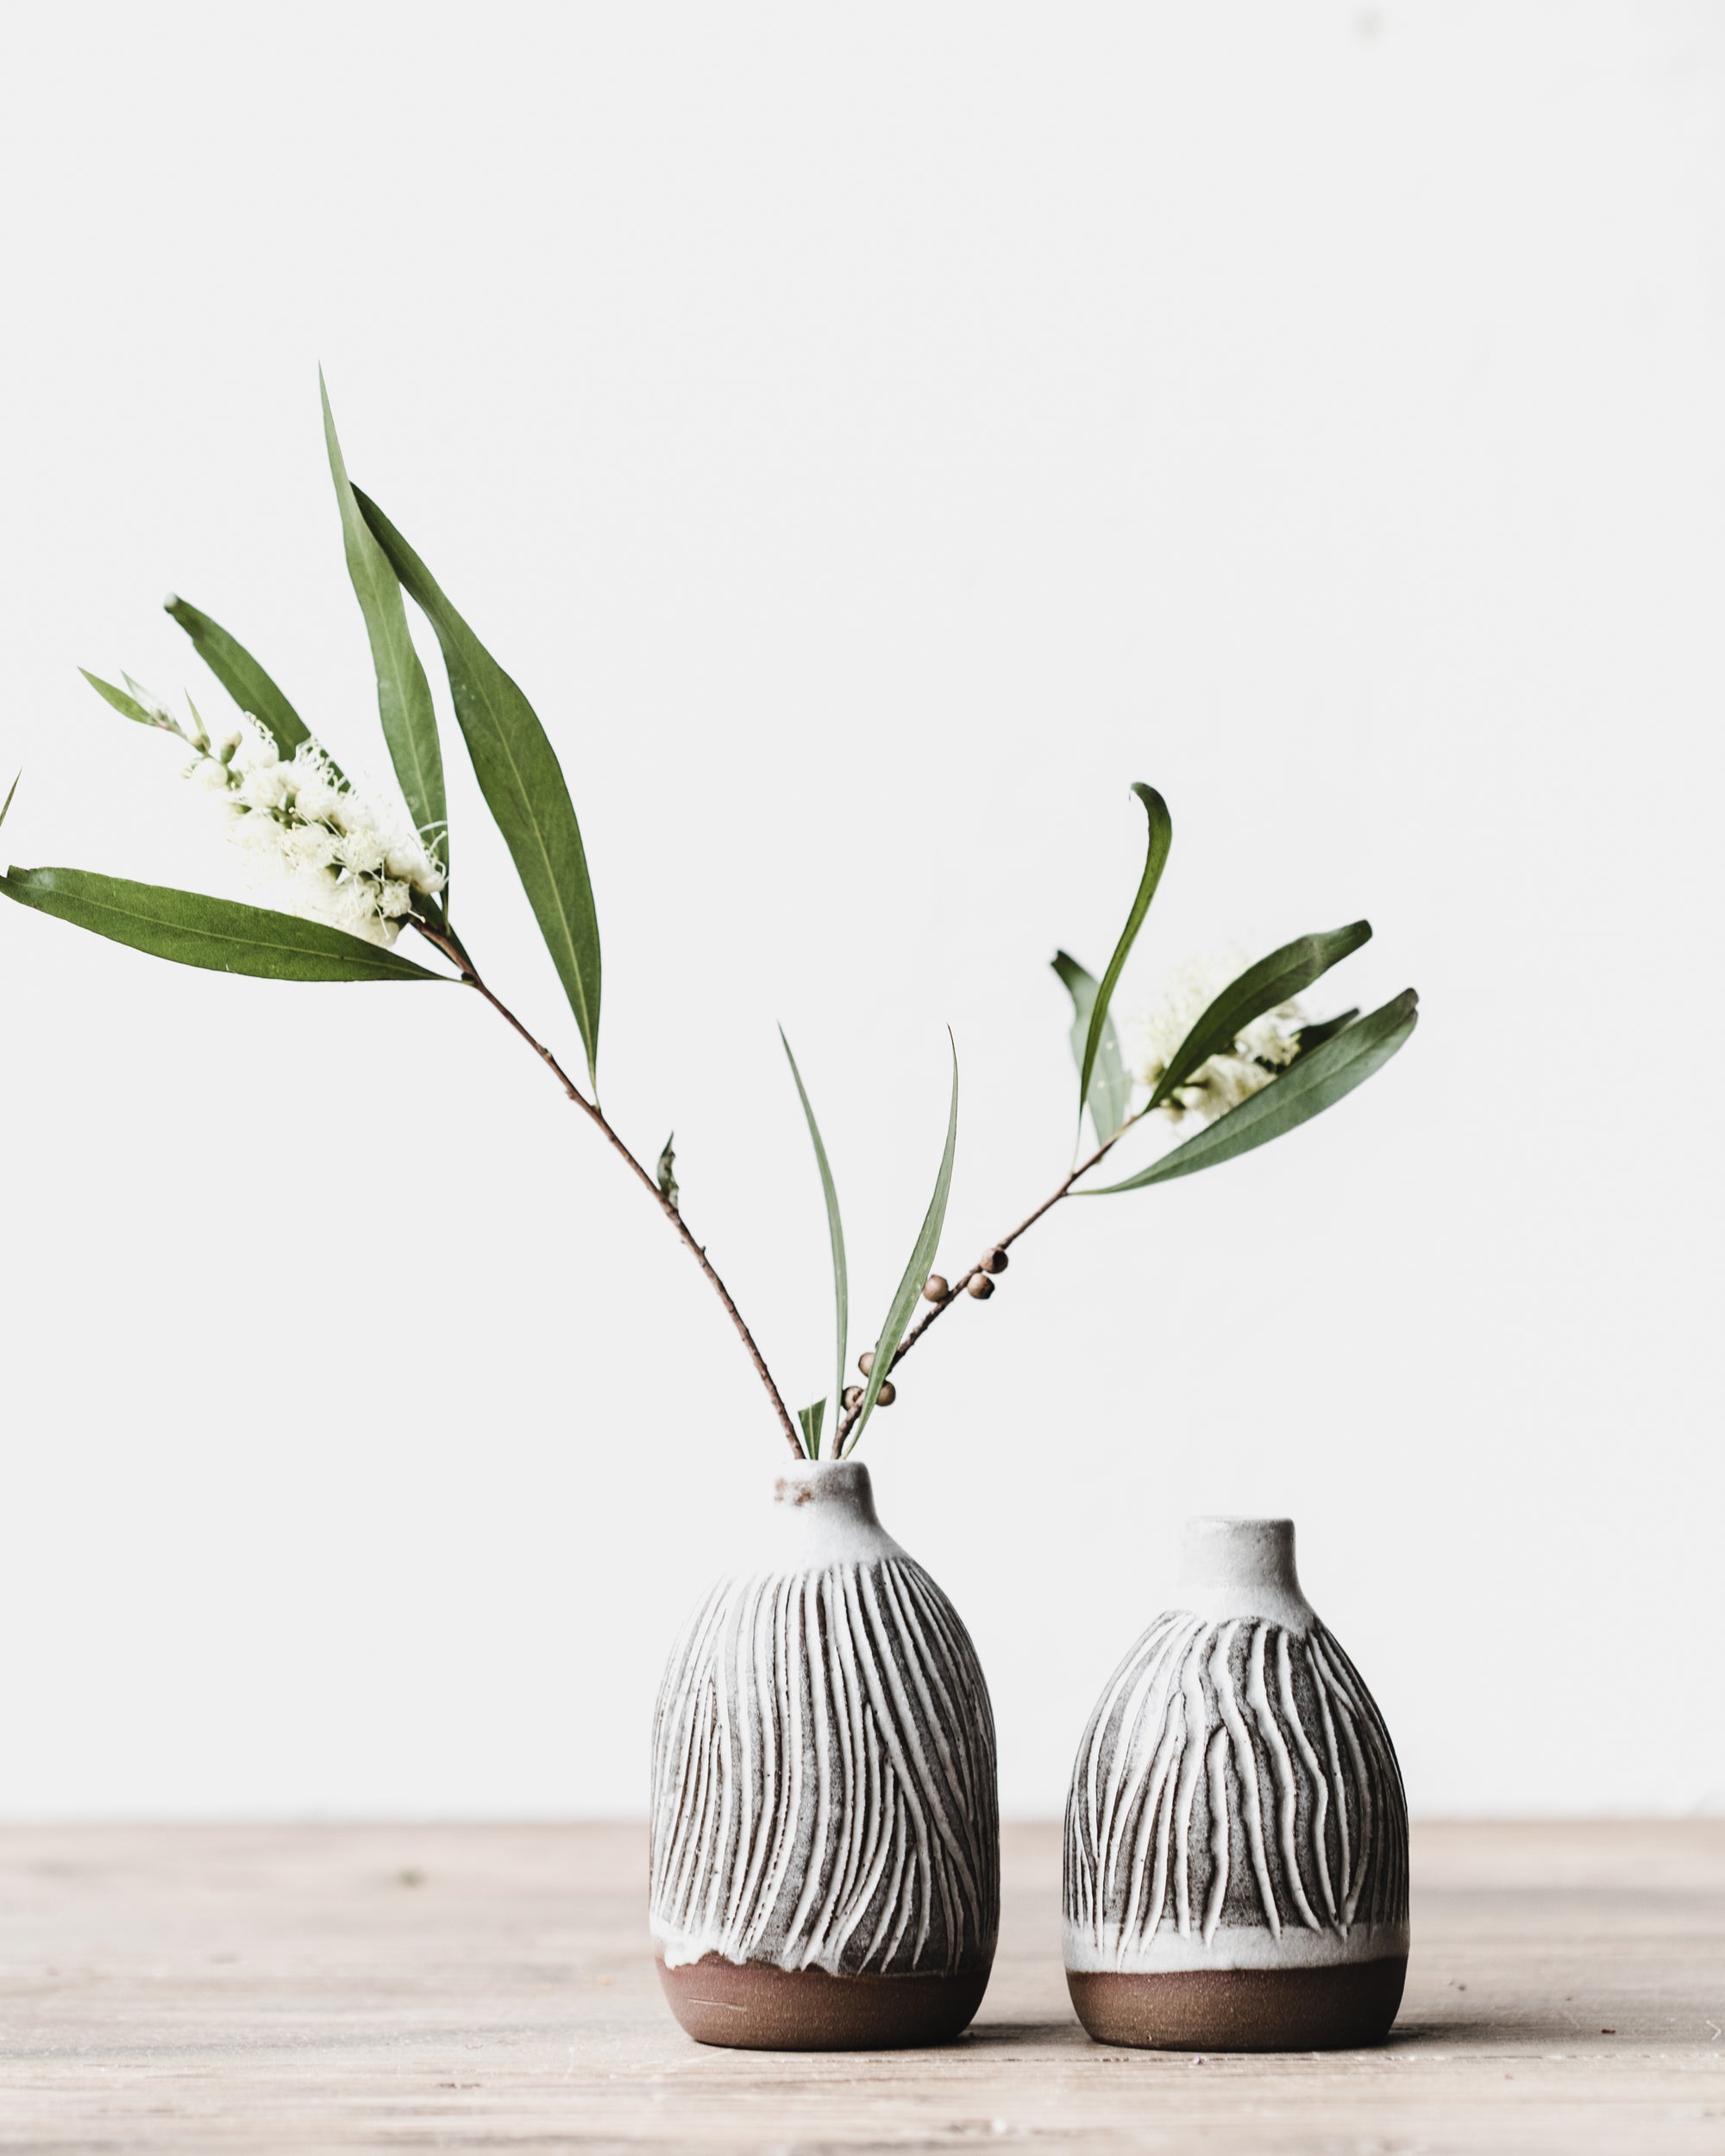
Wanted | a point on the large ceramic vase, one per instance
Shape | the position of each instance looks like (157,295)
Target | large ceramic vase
(826,1870)
(1236,1834)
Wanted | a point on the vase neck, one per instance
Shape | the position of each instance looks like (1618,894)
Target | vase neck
(823,1512)
(1242,1568)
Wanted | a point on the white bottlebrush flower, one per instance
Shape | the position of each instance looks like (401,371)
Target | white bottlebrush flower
(269,785)
(315,800)
(1267,1045)
(408,861)
(332,853)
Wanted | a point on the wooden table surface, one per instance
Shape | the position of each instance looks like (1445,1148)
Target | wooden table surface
(184,1988)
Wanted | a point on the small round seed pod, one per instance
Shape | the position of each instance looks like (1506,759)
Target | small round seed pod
(853,1395)
(980,1285)
(865,1361)
(887,1393)
(995,1262)
(935,1289)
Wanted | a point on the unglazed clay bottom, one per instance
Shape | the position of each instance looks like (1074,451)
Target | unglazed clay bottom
(825,1867)
(1236,1834)
(1350,2004)
(752,2006)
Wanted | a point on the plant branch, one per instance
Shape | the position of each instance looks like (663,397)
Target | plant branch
(958,1287)
(444,939)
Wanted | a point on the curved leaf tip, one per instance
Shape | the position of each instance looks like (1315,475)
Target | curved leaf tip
(1161,837)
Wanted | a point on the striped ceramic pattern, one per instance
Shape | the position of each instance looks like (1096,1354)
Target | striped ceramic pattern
(824,1790)
(1235,1777)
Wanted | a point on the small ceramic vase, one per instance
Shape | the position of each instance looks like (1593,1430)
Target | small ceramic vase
(1236,1836)
(825,1833)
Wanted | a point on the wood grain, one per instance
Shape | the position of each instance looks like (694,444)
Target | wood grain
(280,1989)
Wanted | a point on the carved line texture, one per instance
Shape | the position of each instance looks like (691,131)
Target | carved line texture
(824,1791)
(1233,1774)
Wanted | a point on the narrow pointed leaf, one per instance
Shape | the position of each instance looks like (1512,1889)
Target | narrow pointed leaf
(523,783)
(5,807)
(126,706)
(835,1231)
(240,674)
(811,1419)
(1317,1082)
(1288,972)
(192,930)
(922,1257)
(1155,859)
(409,723)
(1110,1101)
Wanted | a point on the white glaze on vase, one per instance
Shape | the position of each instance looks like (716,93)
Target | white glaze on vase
(824,1793)
(1236,1802)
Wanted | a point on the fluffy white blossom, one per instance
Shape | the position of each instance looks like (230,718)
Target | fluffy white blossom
(341,857)
(1267,1045)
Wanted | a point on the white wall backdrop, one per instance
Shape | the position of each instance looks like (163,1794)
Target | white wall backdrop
(873,437)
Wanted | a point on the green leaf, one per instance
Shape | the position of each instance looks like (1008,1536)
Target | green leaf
(523,784)
(6,805)
(835,1231)
(811,1419)
(1285,973)
(1311,1036)
(127,707)
(240,674)
(665,1173)
(1317,1082)
(1110,1101)
(216,933)
(1155,859)
(922,1257)
(410,723)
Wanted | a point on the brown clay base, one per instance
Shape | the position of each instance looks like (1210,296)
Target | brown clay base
(1242,2010)
(753,2007)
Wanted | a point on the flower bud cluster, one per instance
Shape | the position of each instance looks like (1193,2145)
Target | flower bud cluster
(344,859)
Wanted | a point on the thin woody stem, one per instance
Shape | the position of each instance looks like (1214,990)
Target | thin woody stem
(445,940)
(957,1288)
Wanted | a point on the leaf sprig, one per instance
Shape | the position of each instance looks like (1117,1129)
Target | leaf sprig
(523,784)
(1332,1059)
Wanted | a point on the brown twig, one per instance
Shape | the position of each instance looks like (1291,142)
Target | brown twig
(1063,1189)
(444,938)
